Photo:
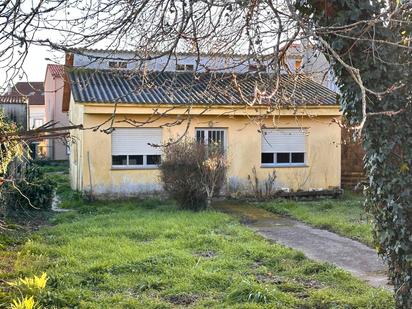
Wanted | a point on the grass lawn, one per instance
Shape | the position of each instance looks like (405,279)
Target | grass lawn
(344,216)
(148,254)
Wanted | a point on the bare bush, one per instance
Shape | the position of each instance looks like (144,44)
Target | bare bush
(265,190)
(193,173)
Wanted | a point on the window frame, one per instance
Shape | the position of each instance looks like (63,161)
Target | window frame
(185,67)
(136,166)
(206,133)
(275,153)
(257,68)
(35,120)
(114,64)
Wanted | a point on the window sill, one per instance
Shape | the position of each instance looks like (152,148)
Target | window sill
(123,168)
(282,165)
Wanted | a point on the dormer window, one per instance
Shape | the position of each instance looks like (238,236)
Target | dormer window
(257,68)
(118,64)
(185,67)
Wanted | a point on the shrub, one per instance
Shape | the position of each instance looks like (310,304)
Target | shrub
(193,173)
(33,191)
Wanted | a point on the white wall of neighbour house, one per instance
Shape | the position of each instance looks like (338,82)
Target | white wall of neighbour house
(37,116)
(313,63)
(100,60)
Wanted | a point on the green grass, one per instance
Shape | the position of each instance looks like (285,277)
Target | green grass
(53,166)
(60,174)
(148,254)
(344,216)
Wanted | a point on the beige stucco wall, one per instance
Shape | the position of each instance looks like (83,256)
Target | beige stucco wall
(243,151)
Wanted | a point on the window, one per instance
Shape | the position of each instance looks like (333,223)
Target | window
(131,147)
(283,147)
(118,64)
(37,123)
(212,136)
(185,67)
(257,68)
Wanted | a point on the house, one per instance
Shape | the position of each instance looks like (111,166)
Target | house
(130,105)
(53,97)
(15,109)
(34,92)
(306,59)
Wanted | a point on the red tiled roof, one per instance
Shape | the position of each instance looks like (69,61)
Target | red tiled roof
(34,91)
(56,70)
(10,99)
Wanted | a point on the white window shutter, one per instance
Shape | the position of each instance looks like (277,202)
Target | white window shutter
(134,141)
(283,140)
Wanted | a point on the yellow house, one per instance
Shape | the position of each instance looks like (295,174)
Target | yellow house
(286,127)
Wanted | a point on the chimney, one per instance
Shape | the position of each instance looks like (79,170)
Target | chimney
(298,63)
(68,64)
(69,60)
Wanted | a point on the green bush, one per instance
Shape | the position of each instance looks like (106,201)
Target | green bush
(33,191)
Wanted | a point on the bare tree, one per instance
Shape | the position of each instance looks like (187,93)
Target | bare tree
(361,39)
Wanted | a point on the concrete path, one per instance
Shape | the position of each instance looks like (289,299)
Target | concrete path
(56,203)
(316,244)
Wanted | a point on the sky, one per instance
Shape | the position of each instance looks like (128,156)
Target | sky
(36,63)
(34,66)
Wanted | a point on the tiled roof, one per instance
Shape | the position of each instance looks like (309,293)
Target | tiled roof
(34,91)
(13,99)
(56,70)
(108,86)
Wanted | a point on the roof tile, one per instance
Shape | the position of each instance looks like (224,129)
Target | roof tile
(13,99)
(56,70)
(182,88)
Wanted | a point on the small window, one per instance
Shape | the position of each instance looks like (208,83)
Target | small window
(257,68)
(37,123)
(118,64)
(185,67)
(200,136)
(283,157)
(119,160)
(153,160)
(135,160)
(298,157)
(267,158)
(180,67)
(212,136)
(190,67)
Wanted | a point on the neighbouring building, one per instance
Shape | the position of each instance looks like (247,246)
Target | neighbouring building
(15,109)
(53,96)
(34,92)
(306,59)
(288,130)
